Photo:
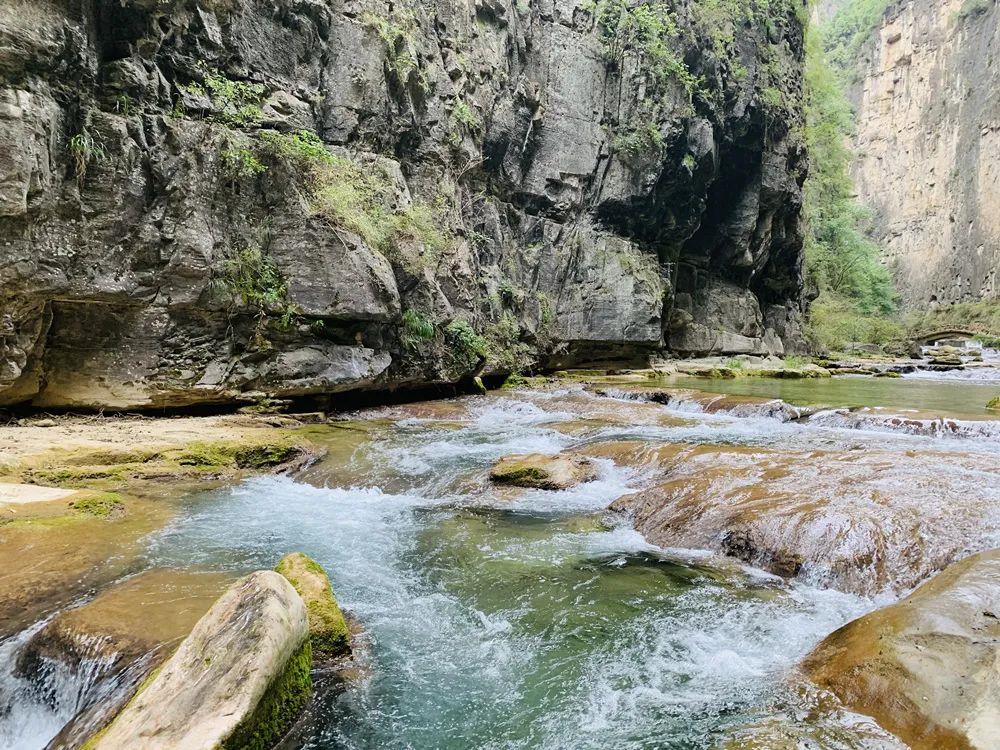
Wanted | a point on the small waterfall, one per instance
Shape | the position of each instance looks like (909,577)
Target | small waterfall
(48,702)
(872,420)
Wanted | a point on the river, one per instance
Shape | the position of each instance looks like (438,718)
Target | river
(534,619)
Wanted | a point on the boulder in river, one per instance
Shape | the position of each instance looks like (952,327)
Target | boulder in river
(328,629)
(237,681)
(543,472)
(926,668)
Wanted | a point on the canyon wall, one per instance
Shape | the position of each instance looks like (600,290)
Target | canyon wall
(214,201)
(927,149)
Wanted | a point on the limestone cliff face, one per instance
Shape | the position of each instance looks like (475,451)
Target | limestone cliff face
(928,147)
(498,186)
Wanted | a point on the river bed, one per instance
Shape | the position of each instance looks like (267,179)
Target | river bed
(495,618)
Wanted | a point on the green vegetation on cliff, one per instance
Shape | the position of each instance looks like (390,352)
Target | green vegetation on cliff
(846,33)
(856,302)
(856,298)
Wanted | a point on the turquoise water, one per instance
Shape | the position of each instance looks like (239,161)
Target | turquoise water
(525,623)
(533,620)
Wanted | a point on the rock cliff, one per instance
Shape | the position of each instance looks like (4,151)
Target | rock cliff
(206,201)
(927,147)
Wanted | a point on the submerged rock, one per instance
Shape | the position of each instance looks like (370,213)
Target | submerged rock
(52,552)
(237,681)
(328,631)
(543,472)
(144,613)
(927,668)
(864,522)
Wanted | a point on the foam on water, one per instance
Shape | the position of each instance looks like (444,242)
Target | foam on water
(520,621)
(971,375)
(508,628)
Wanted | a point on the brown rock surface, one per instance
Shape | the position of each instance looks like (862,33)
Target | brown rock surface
(153,610)
(543,472)
(858,521)
(927,668)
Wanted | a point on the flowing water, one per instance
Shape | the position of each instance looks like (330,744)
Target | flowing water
(506,619)
(967,392)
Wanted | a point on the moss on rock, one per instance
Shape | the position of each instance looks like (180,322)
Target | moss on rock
(993,403)
(99,504)
(543,472)
(279,708)
(328,629)
(109,470)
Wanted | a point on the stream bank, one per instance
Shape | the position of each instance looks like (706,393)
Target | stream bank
(505,617)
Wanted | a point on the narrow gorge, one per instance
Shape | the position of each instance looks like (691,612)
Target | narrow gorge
(487,375)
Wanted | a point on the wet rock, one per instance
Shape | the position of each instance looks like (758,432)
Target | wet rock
(950,360)
(112,642)
(543,472)
(813,719)
(683,399)
(152,610)
(328,630)
(237,681)
(51,554)
(865,522)
(927,668)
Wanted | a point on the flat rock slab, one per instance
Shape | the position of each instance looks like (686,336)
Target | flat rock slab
(211,692)
(143,613)
(927,668)
(19,494)
(543,472)
(866,522)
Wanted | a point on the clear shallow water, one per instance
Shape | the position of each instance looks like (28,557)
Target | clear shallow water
(515,624)
(521,620)
(945,393)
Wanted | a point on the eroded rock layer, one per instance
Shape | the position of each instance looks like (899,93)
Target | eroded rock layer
(204,201)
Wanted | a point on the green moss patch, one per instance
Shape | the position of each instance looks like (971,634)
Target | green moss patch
(278,708)
(100,505)
(109,470)
(328,629)
(994,403)
(520,475)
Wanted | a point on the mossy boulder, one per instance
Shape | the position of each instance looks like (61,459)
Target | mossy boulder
(718,373)
(790,373)
(925,668)
(238,680)
(993,404)
(328,631)
(543,472)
